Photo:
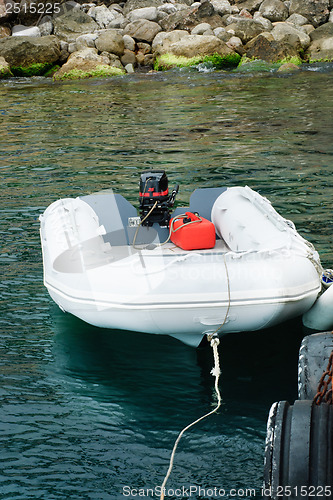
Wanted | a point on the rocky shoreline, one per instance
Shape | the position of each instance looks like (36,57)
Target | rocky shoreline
(72,40)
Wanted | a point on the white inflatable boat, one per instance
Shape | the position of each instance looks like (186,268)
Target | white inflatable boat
(105,266)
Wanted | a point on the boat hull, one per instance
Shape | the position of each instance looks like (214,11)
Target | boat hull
(162,289)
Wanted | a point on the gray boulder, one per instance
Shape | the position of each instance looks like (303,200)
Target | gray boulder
(274,10)
(199,45)
(149,13)
(202,29)
(321,48)
(297,19)
(102,15)
(21,30)
(129,43)
(251,5)
(110,41)
(84,62)
(142,30)
(131,5)
(222,7)
(163,40)
(284,31)
(316,11)
(87,40)
(246,29)
(322,32)
(266,48)
(72,24)
(46,26)
(23,51)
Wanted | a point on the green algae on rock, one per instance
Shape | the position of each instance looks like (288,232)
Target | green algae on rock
(35,69)
(169,61)
(100,71)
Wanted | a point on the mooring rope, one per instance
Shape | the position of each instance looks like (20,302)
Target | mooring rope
(216,372)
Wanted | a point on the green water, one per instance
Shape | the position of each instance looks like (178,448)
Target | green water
(85,412)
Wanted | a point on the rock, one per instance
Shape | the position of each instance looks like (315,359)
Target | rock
(5,31)
(168,8)
(118,22)
(274,10)
(163,40)
(149,13)
(308,28)
(46,26)
(83,63)
(114,60)
(321,49)
(324,31)
(87,40)
(316,11)
(265,23)
(128,57)
(202,29)
(198,45)
(129,42)
(188,18)
(129,68)
(66,7)
(86,69)
(246,29)
(250,5)
(140,58)
(145,48)
(222,7)
(245,13)
(24,51)
(69,26)
(282,31)
(6,9)
(110,41)
(235,44)
(102,15)
(297,19)
(149,60)
(288,68)
(142,30)
(131,5)
(21,30)
(266,48)
(4,69)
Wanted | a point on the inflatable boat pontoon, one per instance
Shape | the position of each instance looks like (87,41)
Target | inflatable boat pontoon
(116,269)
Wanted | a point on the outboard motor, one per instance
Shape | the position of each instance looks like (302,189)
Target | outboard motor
(155,202)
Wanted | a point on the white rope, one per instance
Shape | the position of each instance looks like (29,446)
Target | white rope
(214,342)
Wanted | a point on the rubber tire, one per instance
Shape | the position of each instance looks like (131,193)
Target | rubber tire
(313,357)
(299,450)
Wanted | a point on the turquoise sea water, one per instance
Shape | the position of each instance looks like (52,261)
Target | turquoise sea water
(87,413)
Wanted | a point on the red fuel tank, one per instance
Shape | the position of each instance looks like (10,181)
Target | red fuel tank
(192,232)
